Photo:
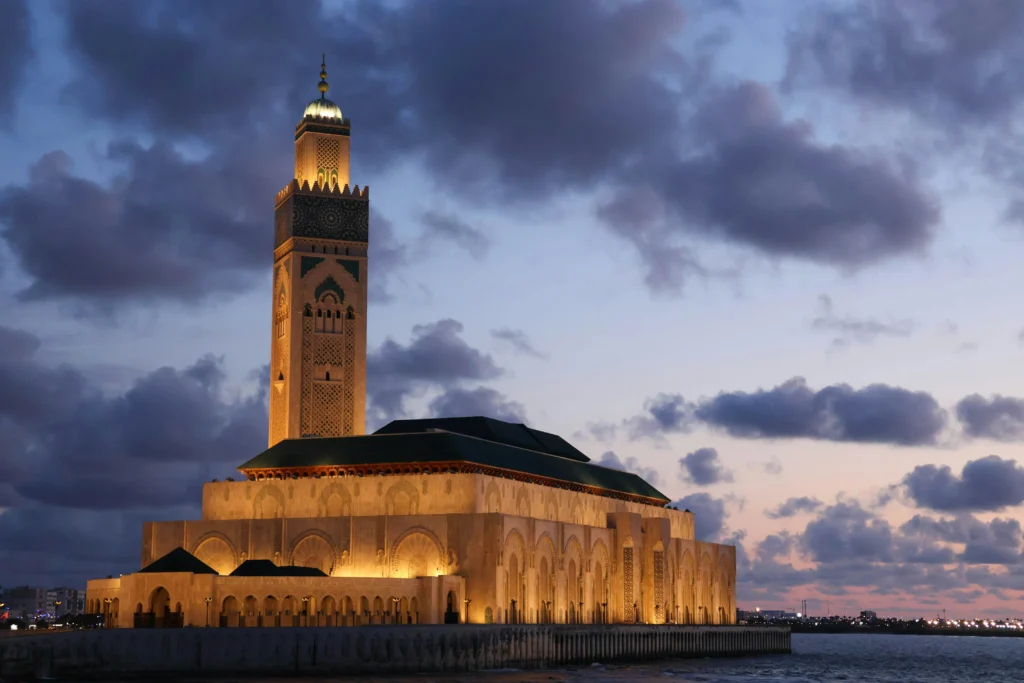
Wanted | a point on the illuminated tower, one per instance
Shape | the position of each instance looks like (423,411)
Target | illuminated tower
(321,233)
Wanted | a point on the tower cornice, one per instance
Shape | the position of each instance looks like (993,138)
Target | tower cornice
(324,190)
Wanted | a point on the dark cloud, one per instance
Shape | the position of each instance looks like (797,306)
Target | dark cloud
(427,87)
(753,179)
(445,226)
(83,468)
(845,532)
(794,506)
(421,75)
(166,228)
(484,401)
(630,464)
(949,61)
(708,512)
(999,417)
(877,413)
(989,483)
(996,541)
(437,357)
(663,414)
(387,256)
(849,329)
(518,340)
(703,468)
(16,51)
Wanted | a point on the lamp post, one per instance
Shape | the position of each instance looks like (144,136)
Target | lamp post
(56,609)
(106,612)
(604,612)
(305,610)
(394,607)
(466,602)
(207,601)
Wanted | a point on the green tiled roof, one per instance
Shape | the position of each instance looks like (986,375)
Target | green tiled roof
(406,442)
(518,435)
(178,560)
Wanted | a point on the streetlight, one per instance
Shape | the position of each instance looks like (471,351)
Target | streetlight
(207,601)
(305,609)
(394,606)
(106,612)
(466,601)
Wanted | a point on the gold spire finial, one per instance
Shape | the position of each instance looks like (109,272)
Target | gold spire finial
(323,77)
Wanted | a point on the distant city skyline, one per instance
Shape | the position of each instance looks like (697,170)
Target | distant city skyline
(759,253)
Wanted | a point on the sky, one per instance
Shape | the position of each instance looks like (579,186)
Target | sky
(762,253)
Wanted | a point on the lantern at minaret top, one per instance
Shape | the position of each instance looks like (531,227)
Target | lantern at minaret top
(322,141)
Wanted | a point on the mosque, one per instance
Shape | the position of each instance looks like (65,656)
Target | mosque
(454,520)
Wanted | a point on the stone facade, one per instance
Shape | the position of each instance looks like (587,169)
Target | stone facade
(506,526)
(521,552)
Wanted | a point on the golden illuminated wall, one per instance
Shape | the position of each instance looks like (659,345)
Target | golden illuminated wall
(420,494)
(322,157)
(549,550)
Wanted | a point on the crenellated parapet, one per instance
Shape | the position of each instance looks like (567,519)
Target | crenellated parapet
(321,190)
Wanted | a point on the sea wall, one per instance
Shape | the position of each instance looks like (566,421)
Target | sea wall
(367,650)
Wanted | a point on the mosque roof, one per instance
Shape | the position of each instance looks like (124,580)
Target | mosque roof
(466,444)
(178,561)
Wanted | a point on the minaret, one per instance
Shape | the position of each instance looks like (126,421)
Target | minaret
(321,233)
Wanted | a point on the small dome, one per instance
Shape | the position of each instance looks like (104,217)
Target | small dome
(323,108)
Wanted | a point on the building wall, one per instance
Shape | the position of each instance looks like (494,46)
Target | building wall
(622,562)
(273,601)
(421,494)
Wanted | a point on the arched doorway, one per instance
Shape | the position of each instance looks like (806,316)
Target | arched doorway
(328,614)
(270,616)
(515,603)
(451,609)
(228,612)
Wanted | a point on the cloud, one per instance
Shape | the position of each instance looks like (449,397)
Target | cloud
(437,357)
(484,401)
(703,468)
(16,51)
(518,340)
(708,512)
(1000,417)
(849,329)
(989,483)
(794,506)
(752,179)
(773,466)
(877,413)
(387,256)
(167,228)
(845,532)
(663,414)
(948,61)
(82,468)
(728,168)
(630,464)
(446,226)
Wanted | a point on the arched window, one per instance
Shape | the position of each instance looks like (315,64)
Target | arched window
(319,313)
(334,178)
(321,177)
(308,311)
(280,377)
(351,313)
(327,376)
